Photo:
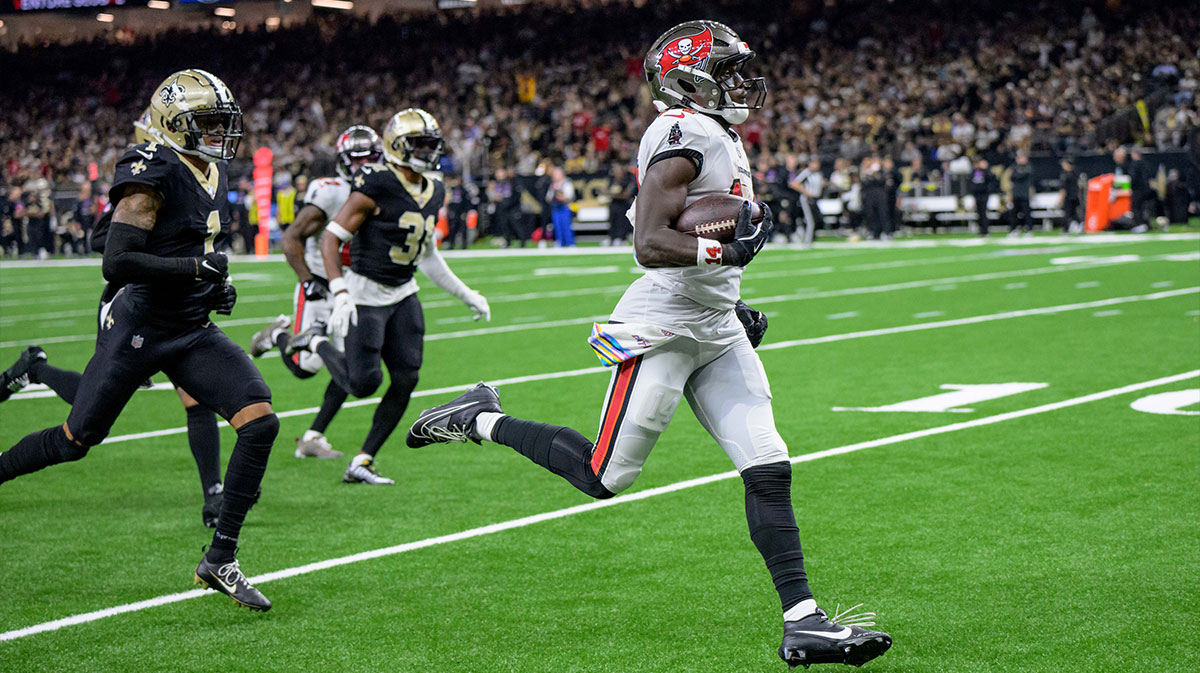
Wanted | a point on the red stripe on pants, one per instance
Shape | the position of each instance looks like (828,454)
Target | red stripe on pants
(616,403)
(299,318)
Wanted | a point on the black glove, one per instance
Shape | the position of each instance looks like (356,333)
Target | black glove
(222,298)
(213,267)
(755,322)
(315,288)
(749,238)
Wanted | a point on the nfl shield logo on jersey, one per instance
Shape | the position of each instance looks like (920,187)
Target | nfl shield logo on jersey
(137,341)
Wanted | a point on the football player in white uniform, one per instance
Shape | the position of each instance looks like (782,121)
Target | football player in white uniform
(676,333)
(356,146)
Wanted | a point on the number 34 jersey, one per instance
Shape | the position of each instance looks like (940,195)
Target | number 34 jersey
(390,243)
(190,222)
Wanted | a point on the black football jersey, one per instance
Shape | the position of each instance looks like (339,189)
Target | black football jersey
(190,223)
(388,244)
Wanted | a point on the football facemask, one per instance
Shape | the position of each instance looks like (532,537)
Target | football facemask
(357,144)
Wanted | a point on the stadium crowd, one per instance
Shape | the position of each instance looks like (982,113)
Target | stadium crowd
(531,88)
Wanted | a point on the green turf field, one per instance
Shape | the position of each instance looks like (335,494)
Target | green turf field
(1063,537)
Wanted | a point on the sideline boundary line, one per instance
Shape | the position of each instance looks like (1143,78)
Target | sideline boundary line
(579,509)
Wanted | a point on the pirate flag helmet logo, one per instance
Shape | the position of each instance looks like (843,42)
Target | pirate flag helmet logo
(689,50)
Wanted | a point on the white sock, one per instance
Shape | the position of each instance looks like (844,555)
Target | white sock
(800,610)
(317,341)
(275,334)
(484,423)
(310,435)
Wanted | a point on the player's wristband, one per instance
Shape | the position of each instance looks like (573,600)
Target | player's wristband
(339,231)
(337,285)
(708,252)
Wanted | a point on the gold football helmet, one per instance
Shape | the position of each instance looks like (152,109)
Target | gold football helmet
(412,138)
(143,132)
(193,108)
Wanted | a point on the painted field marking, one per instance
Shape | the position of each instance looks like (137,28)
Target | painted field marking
(929,314)
(1162,284)
(842,316)
(917,327)
(1171,403)
(522,522)
(953,401)
(1086,284)
(1107,314)
(1016,286)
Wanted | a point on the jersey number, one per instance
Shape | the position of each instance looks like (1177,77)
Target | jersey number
(419,229)
(214,228)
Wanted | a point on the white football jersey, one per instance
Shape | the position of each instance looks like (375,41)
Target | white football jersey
(723,169)
(328,194)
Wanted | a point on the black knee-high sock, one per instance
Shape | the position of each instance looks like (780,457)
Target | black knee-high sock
(38,450)
(205,442)
(242,478)
(289,361)
(561,450)
(773,529)
(64,382)
(335,362)
(335,397)
(390,410)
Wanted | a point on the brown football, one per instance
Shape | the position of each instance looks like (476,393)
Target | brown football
(715,217)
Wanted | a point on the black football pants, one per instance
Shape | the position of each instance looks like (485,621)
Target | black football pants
(393,335)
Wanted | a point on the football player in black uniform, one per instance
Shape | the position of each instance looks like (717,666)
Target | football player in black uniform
(166,218)
(32,367)
(389,220)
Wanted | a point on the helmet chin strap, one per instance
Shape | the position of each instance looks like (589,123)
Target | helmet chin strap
(735,115)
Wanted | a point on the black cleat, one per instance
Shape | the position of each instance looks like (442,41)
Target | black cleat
(212,508)
(228,579)
(305,341)
(16,377)
(816,639)
(453,421)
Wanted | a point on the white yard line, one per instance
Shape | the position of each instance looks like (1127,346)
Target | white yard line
(974,320)
(613,289)
(506,253)
(522,522)
(916,327)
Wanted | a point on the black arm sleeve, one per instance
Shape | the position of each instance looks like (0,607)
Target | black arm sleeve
(125,263)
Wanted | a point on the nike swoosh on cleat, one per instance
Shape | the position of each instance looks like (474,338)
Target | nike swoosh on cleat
(832,635)
(228,587)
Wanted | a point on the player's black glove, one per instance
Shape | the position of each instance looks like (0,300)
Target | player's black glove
(315,288)
(749,238)
(755,322)
(222,298)
(213,267)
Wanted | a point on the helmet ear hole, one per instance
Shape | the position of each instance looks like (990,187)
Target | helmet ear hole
(687,86)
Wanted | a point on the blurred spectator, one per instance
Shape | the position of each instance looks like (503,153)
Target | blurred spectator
(809,183)
(1020,191)
(505,204)
(622,190)
(982,185)
(1144,199)
(560,195)
(874,199)
(85,212)
(10,226)
(1068,195)
(1177,199)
